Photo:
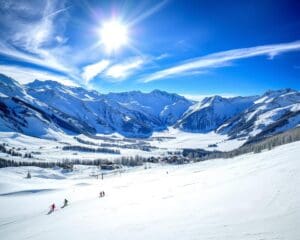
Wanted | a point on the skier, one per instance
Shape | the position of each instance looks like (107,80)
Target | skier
(52,207)
(102,194)
(65,203)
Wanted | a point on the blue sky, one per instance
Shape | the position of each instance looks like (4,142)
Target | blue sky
(190,47)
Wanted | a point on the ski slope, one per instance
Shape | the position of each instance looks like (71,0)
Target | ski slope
(250,197)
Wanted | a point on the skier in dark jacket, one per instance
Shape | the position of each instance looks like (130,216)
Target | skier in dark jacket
(101,194)
(65,203)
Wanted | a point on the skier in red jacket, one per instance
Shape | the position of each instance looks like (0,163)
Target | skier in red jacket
(53,207)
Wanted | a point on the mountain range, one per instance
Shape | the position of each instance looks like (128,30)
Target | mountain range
(42,108)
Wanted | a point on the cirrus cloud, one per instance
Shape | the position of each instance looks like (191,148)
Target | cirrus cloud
(27,75)
(91,71)
(224,58)
(120,71)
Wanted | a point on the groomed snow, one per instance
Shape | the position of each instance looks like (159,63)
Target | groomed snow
(174,139)
(250,197)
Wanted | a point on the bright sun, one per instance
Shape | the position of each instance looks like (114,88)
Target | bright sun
(113,35)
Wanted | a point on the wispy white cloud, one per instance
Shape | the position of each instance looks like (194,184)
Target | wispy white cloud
(26,75)
(122,70)
(37,36)
(34,34)
(45,58)
(223,58)
(162,56)
(91,71)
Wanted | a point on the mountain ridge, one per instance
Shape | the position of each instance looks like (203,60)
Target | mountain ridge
(42,106)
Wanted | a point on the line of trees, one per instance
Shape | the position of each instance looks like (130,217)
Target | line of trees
(68,163)
(13,163)
(85,141)
(191,154)
(94,150)
(140,145)
(131,161)
(13,151)
(269,143)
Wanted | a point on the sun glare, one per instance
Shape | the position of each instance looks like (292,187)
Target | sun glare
(113,35)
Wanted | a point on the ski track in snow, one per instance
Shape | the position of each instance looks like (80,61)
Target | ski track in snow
(250,197)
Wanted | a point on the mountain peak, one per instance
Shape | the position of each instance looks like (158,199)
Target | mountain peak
(156,110)
(279,92)
(217,98)
(47,83)
(7,80)
(157,91)
(10,87)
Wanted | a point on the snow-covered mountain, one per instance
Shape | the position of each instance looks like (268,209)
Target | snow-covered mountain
(43,108)
(162,105)
(274,111)
(212,112)
(91,108)
(11,88)
(20,112)
(133,114)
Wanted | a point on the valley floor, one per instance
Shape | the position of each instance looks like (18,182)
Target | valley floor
(253,196)
(159,145)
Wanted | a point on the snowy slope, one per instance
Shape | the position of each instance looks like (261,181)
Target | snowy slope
(250,197)
(165,106)
(11,88)
(51,149)
(19,117)
(42,108)
(174,139)
(212,112)
(273,112)
(19,112)
(131,114)
(158,145)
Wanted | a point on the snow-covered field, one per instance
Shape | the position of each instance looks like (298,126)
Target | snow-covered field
(161,142)
(250,197)
(174,139)
(51,150)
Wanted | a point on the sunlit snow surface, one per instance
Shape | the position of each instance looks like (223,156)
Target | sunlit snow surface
(254,196)
(169,140)
(180,139)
